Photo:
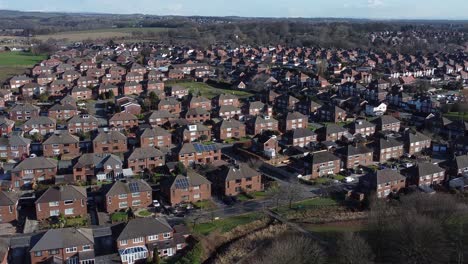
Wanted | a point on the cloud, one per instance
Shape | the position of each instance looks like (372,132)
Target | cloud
(375,3)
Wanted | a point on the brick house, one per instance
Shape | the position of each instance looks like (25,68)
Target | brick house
(61,144)
(189,188)
(33,170)
(330,113)
(19,80)
(178,91)
(293,120)
(266,144)
(147,158)
(301,137)
(235,179)
(362,127)
(155,137)
(81,93)
(196,115)
(93,166)
(171,105)
(141,236)
(355,156)
(227,129)
(386,149)
(66,245)
(307,107)
(258,124)
(331,132)
(286,103)
(67,200)
(196,153)
(14,147)
(62,111)
(23,112)
(416,142)
(41,124)
(383,182)
(199,102)
(130,194)
(123,120)
(82,123)
(154,86)
(424,174)
(193,132)
(321,164)
(387,123)
(160,117)
(110,142)
(6,126)
(175,74)
(132,88)
(226,99)
(254,108)
(8,207)
(107,88)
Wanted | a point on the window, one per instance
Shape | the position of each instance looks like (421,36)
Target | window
(138,240)
(153,237)
(167,235)
(38,253)
(68,202)
(71,249)
(54,212)
(179,246)
(86,247)
(123,196)
(136,203)
(135,194)
(123,205)
(53,252)
(52,204)
(123,242)
(69,211)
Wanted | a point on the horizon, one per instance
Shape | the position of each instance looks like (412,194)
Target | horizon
(344,9)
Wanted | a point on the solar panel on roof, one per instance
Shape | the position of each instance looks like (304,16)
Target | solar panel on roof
(204,148)
(182,183)
(134,187)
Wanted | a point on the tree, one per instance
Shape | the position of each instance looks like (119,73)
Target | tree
(156,259)
(290,192)
(110,94)
(353,249)
(180,168)
(153,100)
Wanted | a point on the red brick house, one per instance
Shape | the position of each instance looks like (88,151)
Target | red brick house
(130,194)
(331,132)
(236,179)
(294,120)
(68,201)
(171,105)
(193,132)
(300,137)
(199,102)
(387,123)
(321,164)
(23,112)
(8,207)
(258,124)
(330,113)
(6,126)
(62,111)
(424,174)
(132,88)
(81,93)
(160,117)
(147,158)
(41,124)
(33,170)
(386,149)
(155,137)
(61,144)
(355,156)
(196,115)
(188,188)
(82,123)
(110,142)
(416,142)
(195,153)
(227,129)
(383,182)
(14,147)
(92,166)
(123,120)
(178,91)
(226,99)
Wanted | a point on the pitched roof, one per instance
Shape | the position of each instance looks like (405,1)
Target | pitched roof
(154,132)
(62,138)
(93,159)
(191,179)
(240,171)
(120,187)
(388,175)
(123,116)
(386,119)
(109,136)
(231,124)
(7,198)
(295,115)
(416,137)
(144,153)
(141,227)
(322,157)
(423,169)
(62,193)
(353,150)
(36,163)
(64,238)
(461,161)
(388,143)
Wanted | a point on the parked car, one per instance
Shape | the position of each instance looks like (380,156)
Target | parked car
(156,203)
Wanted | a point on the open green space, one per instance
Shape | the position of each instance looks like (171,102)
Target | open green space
(101,33)
(225,225)
(207,90)
(206,204)
(119,217)
(16,63)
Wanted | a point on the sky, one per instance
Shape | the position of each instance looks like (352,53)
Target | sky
(374,9)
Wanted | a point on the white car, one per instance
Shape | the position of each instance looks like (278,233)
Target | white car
(156,203)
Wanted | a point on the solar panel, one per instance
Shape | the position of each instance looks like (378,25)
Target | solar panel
(182,183)
(204,148)
(134,187)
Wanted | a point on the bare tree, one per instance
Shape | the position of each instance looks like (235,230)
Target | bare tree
(353,249)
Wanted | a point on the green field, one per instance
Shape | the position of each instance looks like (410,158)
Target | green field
(14,63)
(227,224)
(75,36)
(207,90)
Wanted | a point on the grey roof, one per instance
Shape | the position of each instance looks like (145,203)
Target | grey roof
(63,238)
(161,114)
(302,132)
(228,108)
(199,99)
(83,119)
(36,163)
(295,116)
(40,120)
(188,148)
(361,123)
(192,179)
(141,227)
(322,157)
(260,120)
(241,171)
(123,116)
(386,119)
(388,143)
(231,124)
(200,127)
(144,153)
(388,175)
(6,122)
(62,193)
(14,140)
(256,105)
(168,101)
(461,161)
(334,128)
(109,136)
(423,169)
(154,132)
(353,150)
(62,107)
(24,107)
(80,89)
(62,138)
(7,198)
(94,159)
(120,187)
(416,137)
(227,97)
(197,111)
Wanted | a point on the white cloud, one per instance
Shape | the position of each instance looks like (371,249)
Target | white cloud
(375,3)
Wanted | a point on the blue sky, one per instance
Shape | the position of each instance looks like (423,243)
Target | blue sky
(377,9)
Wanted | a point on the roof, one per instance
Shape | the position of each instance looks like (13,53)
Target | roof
(64,238)
(353,150)
(196,147)
(144,153)
(7,198)
(36,163)
(416,137)
(109,136)
(461,161)
(141,227)
(231,124)
(322,157)
(388,143)
(196,111)
(388,175)
(302,132)
(423,169)
(361,123)
(123,116)
(236,172)
(62,138)
(191,179)
(24,107)
(39,120)
(199,99)
(333,129)
(161,114)
(386,119)
(83,118)
(93,159)
(62,193)
(154,132)
(130,186)
(295,115)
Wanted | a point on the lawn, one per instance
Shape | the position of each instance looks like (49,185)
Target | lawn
(207,90)
(119,217)
(316,202)
(15,63)
(227,224)
(243,197)
(143,213)
(78,221)
(99,34)
(207,204)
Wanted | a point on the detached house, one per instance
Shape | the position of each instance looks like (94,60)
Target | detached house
(33,170)
(14,147)
(93,166)
(294,120)
(301,137)
(416,142)
(387,123)
(386,149)
(123,120)
(130,194)
(68,201)
(23,112)
(8,207)
(171,105)
(6,126)
(331,132)
(199,102)
(41,124)
(362,127)
(226,99)
(196,115)
(355,156)
(160,117)
(227,129)
(258,124)
(82,124)
(189,188)
(62,111)
(329,113)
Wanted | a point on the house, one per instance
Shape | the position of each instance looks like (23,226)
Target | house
(424,174)
(82,124)
(81,93)
(387,123)
(189,188)
(23,112)
(307,107)
(199,102)
(110,142)
(194,132)
(67,201)
(196,153)
(6,126)
(383,182)
(227,129)
(301,137)
(362,127)
(225,99)
(254,108)
(59,144)
(355,156)
(129,194)
(386,149)
(171,105)
(63,245)
(33,170)
(8,207)
(62,111)
(178,91)
(147,158)
(231,180)
(41,124)
(160,117)
(331,132)
(141,236)
(258,124)
(321,164)
(155,137)
(329,113)
(123,120)
(14,147)
(416,142)
(92,166)
(294,120)
(266,144)
(108,89)
(196,115)
(286,102)
(229,112)
(459,165)
(132,88)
